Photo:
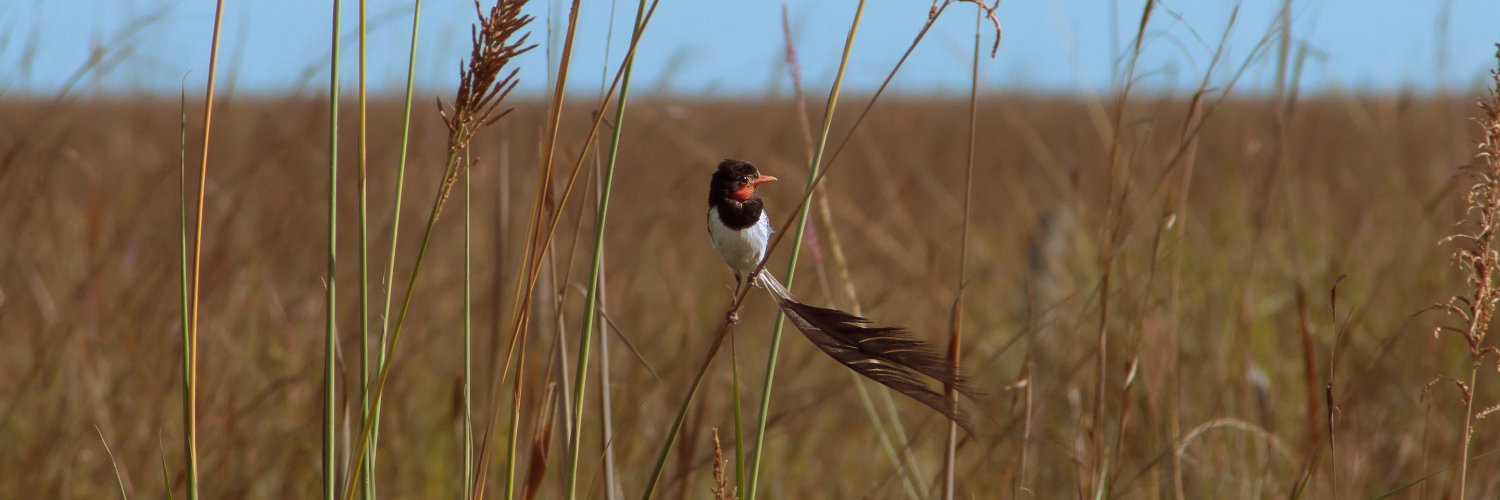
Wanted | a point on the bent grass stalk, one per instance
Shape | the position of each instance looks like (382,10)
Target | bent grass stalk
(190,346)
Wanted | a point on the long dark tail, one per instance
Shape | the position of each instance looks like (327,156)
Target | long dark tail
(891,356)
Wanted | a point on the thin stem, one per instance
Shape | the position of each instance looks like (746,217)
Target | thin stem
(330,334)
(468,330)
(955,342)
(187,341)
(390,271)
(593,294)
(190,438)
(536,237)
(739,421)
(803,211)
(1463,461)
(533,260)
(606,403)
(687,402)
(385,365)
(368,485)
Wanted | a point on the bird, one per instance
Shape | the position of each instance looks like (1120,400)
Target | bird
(740,231)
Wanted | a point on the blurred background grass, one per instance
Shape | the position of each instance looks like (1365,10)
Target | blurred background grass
(1223,323)
(90,316)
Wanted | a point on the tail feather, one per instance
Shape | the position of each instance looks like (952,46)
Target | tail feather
(890,356)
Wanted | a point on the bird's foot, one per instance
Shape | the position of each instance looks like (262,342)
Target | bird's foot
(734,318)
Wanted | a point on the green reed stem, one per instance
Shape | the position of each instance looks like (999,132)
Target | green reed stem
(390,271)
(739,419)
(330,334)
(187,341)
(368,485)
(592,302)
(468,330)
(368,427)
(812,176)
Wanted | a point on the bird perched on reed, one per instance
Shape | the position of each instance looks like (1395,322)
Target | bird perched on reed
(741,231)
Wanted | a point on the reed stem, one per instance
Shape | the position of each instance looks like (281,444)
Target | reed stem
(368,485)
(592,301)
(956,341)
(390,271)
(468,329)
(330,333)
(190,435)
(803,211)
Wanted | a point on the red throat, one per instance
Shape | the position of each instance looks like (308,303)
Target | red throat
(744,193)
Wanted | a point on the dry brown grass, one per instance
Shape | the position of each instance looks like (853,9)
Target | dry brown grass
(1476,257)
(89,308)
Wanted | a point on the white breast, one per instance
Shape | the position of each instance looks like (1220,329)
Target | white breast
(742,250)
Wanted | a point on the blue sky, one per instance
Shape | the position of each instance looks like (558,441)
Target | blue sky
(735,48)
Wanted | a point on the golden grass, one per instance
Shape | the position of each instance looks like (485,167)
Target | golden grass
(1366,190)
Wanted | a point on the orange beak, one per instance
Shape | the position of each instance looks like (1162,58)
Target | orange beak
(762,180)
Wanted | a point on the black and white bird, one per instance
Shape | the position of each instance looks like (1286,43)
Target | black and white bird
(741,231)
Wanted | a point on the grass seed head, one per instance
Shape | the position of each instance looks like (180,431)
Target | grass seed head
(485,81)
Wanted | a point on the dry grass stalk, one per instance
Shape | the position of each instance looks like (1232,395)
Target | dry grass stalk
(722,490)
(481,87)
(1477,257)
(190,317)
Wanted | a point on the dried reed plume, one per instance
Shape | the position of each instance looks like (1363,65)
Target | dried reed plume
(721,490)
(481,89)
(1476,256)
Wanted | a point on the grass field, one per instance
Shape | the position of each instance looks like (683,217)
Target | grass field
(1157,294)
(1222,307)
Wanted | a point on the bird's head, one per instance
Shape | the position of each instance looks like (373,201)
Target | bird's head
(735,180)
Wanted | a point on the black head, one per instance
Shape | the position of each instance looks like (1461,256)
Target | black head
(735,180)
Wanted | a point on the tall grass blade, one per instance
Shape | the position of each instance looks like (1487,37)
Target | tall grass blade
(119,479)
(535,250)
(956,340)
(330,327)
(468,328)
(606,394)
(166,482)
(190,439)
(904,468)
(483,89)
(188,388)
(537,239)
(803,210)
(390,270)
(368,484)
(592,301)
